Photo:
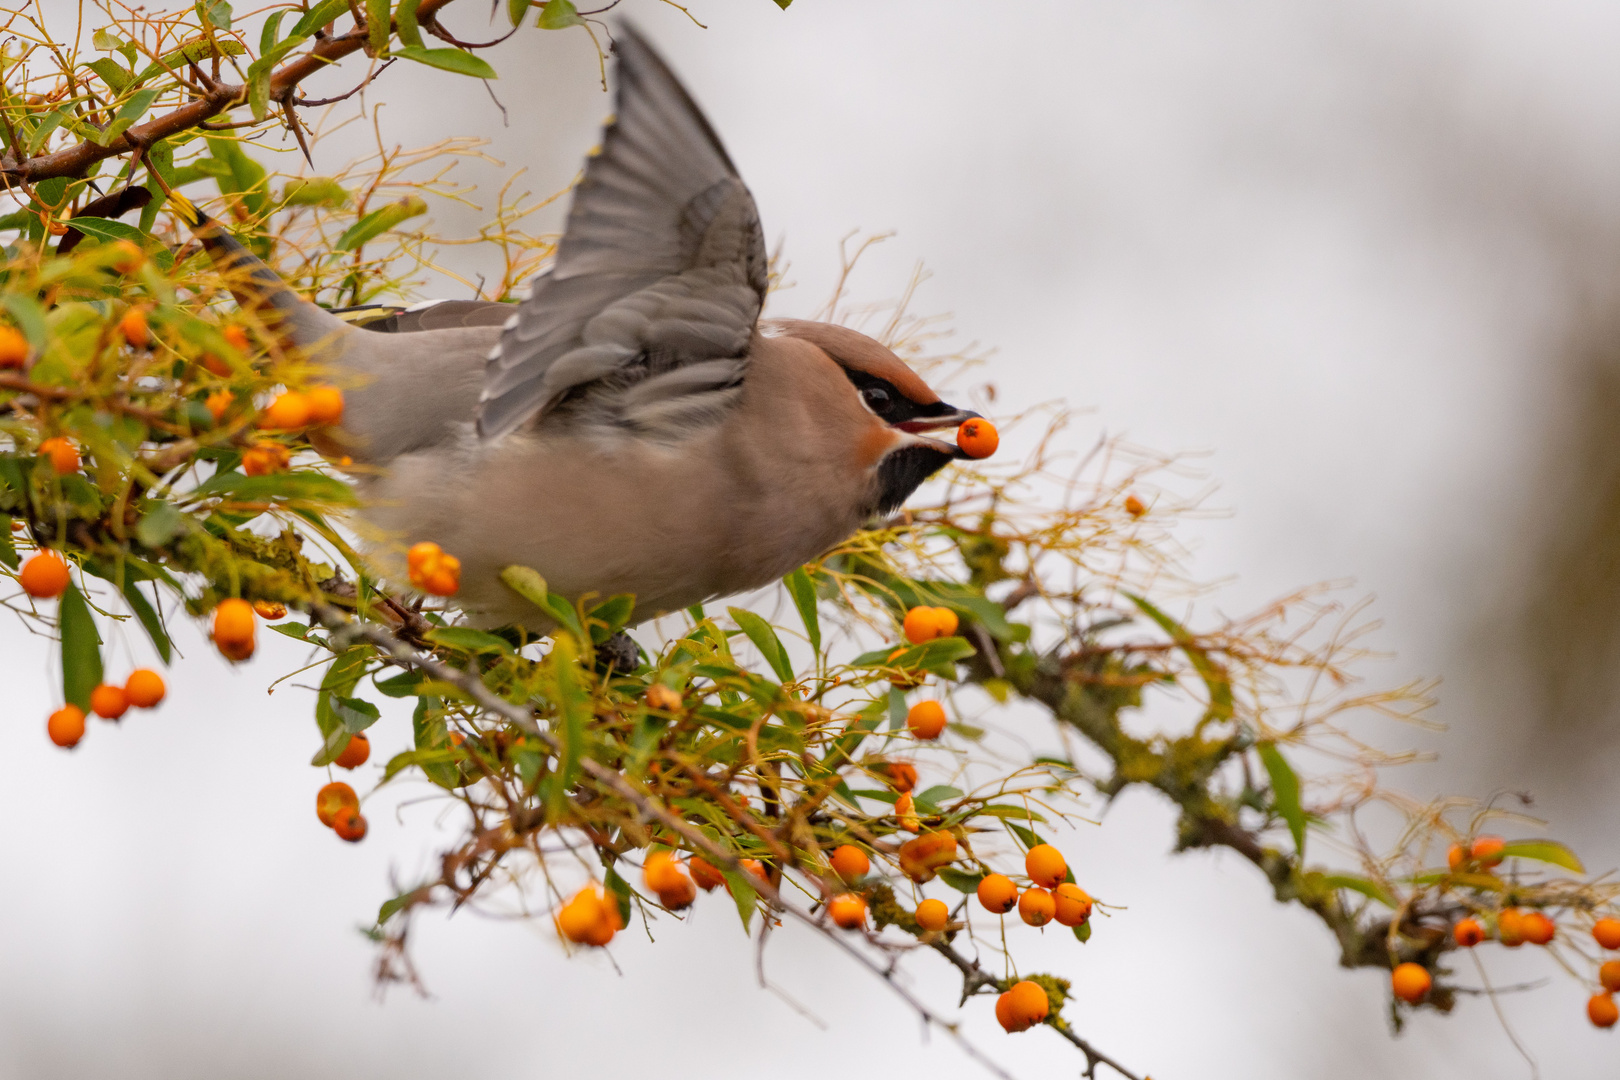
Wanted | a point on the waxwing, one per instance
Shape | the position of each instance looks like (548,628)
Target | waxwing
(632,426)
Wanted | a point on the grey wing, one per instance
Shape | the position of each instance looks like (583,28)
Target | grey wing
(645,319)
(428,315)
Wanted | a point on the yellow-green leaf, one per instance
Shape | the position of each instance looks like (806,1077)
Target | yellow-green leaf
(1284,793)
(81,648)
(1547,851)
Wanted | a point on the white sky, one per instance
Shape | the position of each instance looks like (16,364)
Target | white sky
(1338,246)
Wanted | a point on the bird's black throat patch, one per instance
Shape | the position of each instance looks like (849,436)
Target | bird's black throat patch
(903,471)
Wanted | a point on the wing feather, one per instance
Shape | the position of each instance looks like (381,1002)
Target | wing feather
(661,266)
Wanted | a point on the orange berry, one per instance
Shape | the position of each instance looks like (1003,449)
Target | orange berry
(214,365)
(1456,856)
(134,328)
(905,810)
(681,896)
(325,405)
(1468,933)
(109,702)
(1607,933)
(262,459)
(847,911)
(1537,928)
(850,862)
(933,915)
(1022,1007)
(421,556)
(997,893)
(332,798)
(445,580)
(234,629)
(1487,850)
(1510,927)
(13,348)
(581,918)
(355,754)
(1410,982)
(1073,904)
(269,610)
(704,873)
(126,258)
(1036,907)
(286,412)
(753,868)
(978,438)
(44,576)
(217,403)
(144,687)
(66,726)
(611,924)
(1045,866)
(63,455)
(235,337)
(1601,1010)
(901,775)
(920,625)
(1609,975)
(1134,506)
(663,697)
(662,873)
(919,858)
(349,824)
(926,720)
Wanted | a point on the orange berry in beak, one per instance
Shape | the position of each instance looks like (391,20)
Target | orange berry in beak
(978,438)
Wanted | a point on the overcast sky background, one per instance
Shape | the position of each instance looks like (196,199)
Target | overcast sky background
(1363,254)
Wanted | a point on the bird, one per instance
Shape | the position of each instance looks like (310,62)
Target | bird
(633,426)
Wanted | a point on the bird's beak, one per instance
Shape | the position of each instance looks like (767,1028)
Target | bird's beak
(953,419)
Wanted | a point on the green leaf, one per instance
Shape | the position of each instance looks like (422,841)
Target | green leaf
(803,591)
(1547,851)
(1365,887)
(381,220)
(405,20)
(105,229)
(148,618)
(285,487)
(765,640)
(295,630)
(960,880)
(462,63)
(81,648)
(316,17)
(379,25)
(610,616)
(30,319)
(1219,686)
(1028,837)
(557,15)
(402,685)
(1082,933)
(8,550)
(160,524)
(314,191)
(1000,810)
(528,584)
(742,892)
(1284,792)
(515,10)
(939,793)
(114,74)
(573,710)
(131,111)
(191,53)
(467,639)
(339,681)
(216,12)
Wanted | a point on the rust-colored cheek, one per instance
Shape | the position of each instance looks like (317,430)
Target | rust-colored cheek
(875,441)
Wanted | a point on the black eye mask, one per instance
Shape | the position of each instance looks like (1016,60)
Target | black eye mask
(889,404)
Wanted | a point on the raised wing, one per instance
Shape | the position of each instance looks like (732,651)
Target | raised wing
(645,319)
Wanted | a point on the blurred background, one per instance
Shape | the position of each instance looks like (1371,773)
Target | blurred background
(1366,255)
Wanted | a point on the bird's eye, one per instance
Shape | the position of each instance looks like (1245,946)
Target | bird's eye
(877,399)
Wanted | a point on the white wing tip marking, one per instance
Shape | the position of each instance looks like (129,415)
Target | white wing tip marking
(511,321)
(424,305)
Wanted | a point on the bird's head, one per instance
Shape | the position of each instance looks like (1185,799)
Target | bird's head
(913,430)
